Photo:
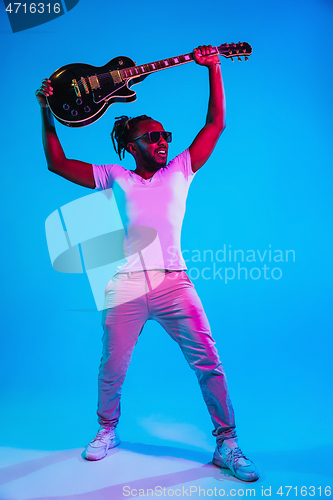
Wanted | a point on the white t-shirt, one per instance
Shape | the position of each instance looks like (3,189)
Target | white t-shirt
(156,209)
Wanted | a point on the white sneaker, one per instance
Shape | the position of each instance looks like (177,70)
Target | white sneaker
(233,458)
(105,439)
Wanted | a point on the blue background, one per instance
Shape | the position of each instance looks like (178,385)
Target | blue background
(268,182)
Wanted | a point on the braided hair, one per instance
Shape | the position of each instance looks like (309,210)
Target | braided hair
(120,134)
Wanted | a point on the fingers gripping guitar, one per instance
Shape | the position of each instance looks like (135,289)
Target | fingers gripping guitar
(44,91)
(206,56)
(79,94)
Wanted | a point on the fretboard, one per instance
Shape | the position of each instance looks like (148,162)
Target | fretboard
(144,69)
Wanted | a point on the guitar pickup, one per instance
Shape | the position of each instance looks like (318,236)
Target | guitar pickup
(76,88)
(94,83)
(116,77)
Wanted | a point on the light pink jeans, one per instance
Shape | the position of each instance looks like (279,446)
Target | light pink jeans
(169,297)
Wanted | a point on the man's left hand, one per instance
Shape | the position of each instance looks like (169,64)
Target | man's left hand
(202,57)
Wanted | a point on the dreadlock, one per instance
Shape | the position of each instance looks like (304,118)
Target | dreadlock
(120,134)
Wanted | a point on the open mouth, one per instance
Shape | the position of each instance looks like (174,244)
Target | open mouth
(162,152)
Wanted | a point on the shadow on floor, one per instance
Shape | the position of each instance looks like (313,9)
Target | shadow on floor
(315,461)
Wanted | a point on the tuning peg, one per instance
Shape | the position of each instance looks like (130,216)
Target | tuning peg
(239,59)
(232,59)
(246,58)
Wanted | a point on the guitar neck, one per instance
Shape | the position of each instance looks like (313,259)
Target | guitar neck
(226,50)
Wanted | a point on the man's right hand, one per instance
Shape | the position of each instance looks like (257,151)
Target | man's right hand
(73,170)
(44,91)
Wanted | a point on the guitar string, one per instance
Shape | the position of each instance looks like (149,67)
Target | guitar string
(171,63)
(151,69)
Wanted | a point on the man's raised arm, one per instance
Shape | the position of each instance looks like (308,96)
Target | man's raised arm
(204,143)
(73,170)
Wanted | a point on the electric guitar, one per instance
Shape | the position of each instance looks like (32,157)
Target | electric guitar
(82,93)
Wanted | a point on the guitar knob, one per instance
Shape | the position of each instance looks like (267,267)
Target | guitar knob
(86,109)
(66,107)
(78,101)
(74,112)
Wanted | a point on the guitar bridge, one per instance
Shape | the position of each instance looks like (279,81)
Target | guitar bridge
(76,88)
(85,85)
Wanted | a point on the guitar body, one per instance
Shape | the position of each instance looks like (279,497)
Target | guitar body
(79,99)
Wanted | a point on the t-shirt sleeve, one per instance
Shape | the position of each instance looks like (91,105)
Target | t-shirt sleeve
(182,162)
(103,176)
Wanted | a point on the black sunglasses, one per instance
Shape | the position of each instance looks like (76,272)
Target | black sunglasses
(156,135)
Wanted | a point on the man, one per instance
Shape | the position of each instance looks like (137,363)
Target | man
(156,287)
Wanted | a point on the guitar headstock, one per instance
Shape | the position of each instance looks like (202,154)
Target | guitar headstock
(230,50)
